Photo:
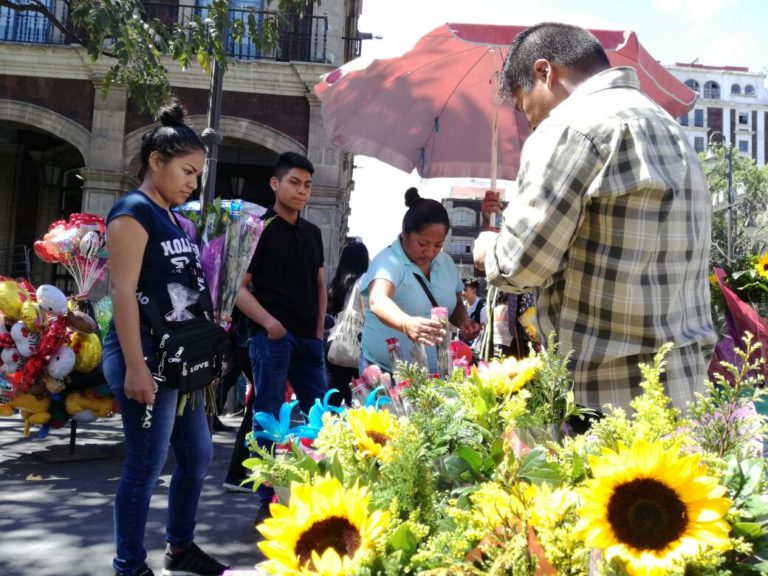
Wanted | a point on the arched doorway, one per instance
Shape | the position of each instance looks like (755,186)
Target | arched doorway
(39,183)
(244,170)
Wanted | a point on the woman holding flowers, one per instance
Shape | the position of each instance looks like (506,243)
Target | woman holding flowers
(147,251)
(404,282)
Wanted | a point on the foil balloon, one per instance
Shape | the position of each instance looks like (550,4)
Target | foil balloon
(90,244)
(62,362)
(103,309)
(46,251)
(12,297)
(87,349)
(52,300)
(33,316)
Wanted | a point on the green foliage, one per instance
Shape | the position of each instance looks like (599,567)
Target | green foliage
(138,47)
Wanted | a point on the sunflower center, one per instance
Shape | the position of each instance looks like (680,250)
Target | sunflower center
(646,514)
(378,437)
(332,532)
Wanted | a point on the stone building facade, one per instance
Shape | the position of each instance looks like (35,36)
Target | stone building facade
(66,148)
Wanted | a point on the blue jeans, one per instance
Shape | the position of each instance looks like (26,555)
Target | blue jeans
(293,359)
(146,450)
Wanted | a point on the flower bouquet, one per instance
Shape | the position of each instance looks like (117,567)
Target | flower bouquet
(483,477)
(227,233)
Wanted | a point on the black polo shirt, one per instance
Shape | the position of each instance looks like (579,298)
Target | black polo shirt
(284,273)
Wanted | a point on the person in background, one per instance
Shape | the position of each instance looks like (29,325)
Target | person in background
(402,281)
(241,364)
(283,295)
(147,251)
(611,223)
(353,263)
(476,306)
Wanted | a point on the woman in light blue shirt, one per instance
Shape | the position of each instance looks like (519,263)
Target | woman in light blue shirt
(397,305)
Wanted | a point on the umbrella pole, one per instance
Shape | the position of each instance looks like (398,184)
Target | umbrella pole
(495,140)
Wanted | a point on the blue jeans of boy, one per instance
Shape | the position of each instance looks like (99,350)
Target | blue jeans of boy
(146,450)
(293,359)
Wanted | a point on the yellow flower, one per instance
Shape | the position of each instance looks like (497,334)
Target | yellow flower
(651,507)
(550,506)
(509,375)
(761,266)
(528,322)
(325,530)
(373,429)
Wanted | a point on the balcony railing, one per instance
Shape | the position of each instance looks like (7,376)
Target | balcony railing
(301,39)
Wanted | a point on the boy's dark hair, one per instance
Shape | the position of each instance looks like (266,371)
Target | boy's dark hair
(569,46)
(471,283)
(423,212)
(171,139)
(289,160)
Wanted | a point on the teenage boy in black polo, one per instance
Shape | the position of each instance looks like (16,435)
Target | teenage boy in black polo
(287,301)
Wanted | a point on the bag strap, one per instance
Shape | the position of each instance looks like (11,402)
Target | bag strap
(423,284)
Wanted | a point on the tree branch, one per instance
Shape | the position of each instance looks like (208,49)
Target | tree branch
(40,8)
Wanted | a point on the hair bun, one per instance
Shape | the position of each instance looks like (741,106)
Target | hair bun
(411,196)
(172,114)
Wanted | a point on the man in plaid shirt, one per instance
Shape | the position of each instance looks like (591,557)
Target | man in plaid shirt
(611,224)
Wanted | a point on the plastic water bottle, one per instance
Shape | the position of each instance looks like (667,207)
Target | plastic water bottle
(443,346)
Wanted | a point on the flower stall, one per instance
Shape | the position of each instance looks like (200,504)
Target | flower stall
(481,473)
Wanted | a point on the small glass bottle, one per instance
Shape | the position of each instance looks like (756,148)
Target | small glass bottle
(443,346)
(395,354)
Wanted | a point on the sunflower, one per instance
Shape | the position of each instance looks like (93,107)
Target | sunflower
(325,530)
(761,266)
(651,507)
(373,429)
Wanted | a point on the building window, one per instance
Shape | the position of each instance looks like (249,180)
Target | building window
(749,90)
(463,217)
(735,89)
(683,119)
(743,118)
(744,146)
(698,144)
(693,85)
(460,246)
(698,118)
(712,90)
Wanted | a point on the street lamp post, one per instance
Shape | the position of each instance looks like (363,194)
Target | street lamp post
(710,160)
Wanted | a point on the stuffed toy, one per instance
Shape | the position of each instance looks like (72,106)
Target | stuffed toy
(34,409)
(87,406)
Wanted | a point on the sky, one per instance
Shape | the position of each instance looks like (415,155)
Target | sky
(716,32)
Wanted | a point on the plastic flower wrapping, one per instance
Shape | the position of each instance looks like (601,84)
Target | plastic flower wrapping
(226,232)
(480,473)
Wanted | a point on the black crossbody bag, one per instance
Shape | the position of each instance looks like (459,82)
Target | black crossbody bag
(190,354)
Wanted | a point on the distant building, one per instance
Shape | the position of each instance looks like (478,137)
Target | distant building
(733,101)
(463,206)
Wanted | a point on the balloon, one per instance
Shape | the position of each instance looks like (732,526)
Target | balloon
(12,296)
(52,300)
(62,362)
(33,316)
(87,349)
(46,251)
(103,310)
(90,244)
(26,341)
(81,322)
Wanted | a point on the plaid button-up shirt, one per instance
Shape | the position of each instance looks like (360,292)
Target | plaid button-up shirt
(611,230)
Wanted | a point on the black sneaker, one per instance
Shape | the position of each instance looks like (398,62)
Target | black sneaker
(191,562)
(145,571)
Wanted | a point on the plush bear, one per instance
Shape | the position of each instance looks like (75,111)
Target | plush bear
(52,300)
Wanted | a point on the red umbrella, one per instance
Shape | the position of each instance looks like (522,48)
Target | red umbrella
(433,108)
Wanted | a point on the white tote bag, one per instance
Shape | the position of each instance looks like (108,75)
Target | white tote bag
(345,346)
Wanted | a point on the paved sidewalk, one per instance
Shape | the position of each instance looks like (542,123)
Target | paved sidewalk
(56,508)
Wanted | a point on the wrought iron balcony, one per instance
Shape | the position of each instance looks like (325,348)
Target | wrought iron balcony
(302,39)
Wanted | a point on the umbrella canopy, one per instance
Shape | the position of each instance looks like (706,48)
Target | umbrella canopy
(433,108)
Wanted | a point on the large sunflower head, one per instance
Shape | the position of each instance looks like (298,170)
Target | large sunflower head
(651,507)
(761,266)
(373,429)
(326,529)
